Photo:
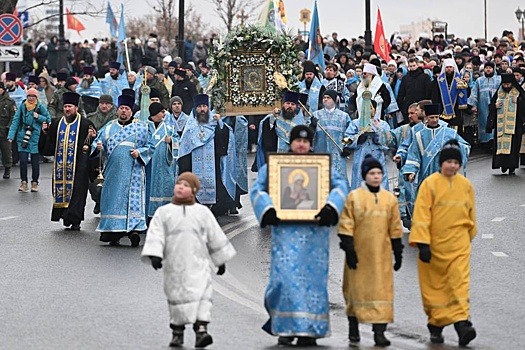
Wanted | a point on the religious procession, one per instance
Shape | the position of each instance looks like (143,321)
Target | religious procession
(365,144)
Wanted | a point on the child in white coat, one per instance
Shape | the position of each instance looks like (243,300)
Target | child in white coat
(184,235)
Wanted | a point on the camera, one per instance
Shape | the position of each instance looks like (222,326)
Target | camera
(27,136)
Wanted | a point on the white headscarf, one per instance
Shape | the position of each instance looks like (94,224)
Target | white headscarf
(449,62)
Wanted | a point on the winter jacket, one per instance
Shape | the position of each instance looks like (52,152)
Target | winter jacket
(24,119)
(7,111)
(415,87)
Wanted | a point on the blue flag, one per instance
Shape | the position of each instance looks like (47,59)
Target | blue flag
(315,41)
(121,37)
(112,21)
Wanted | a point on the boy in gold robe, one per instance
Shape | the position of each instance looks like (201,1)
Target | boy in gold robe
(370,227)
(443,227)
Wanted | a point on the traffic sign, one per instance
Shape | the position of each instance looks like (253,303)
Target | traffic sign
(11,54)
(10,29)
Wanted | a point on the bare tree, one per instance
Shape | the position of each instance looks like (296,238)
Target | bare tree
(166,9)
(229,10)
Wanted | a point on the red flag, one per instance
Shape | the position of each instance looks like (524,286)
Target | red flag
(73,22)
(381,45)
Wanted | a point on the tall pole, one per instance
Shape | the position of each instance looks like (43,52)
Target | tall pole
(62,49)
(522,27)
(181,30)
(368,32)
(485,13)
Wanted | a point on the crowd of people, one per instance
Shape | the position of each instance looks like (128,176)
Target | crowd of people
(129,138)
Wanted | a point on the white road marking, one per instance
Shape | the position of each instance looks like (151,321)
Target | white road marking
(487,235)
(497,219)
(239,230)
(8,218)
(523,205)
(500,254)
(228,293)
(233,224)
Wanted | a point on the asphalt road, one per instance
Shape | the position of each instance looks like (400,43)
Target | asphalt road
(66,290)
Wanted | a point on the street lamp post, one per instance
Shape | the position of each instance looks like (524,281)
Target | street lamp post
(368,31)
(62,49)
(181,30)
(520,16)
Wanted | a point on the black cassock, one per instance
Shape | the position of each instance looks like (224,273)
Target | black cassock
(512,160)
(223,201)
(84,170)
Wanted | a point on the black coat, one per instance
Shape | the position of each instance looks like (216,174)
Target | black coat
(186,90)
(415,87)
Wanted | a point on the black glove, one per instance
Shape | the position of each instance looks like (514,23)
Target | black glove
(397,248)
(313,124)
(156,262)
(327,216)
(347,244)
(361,139)
(346,152)
(270,218)
(424,252)
(221,270)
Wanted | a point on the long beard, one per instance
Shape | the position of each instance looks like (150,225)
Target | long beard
(85,84)
(489,75)
(288,115)
(114,76)
(506,89)
(366,82)
(202,118)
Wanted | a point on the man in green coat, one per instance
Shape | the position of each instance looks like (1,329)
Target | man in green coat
(7,111)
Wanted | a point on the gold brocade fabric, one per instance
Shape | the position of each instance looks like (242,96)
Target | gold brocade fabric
(445,218)
(373,220)
(506,120)
(522,149)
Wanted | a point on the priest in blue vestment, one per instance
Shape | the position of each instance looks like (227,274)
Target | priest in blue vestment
(114,82)
(296,297)
(123,199)
(311,84)
(162,150)
(423,153)
(331,126)
(207,149)
(368,135)
(274,129)
(239,125)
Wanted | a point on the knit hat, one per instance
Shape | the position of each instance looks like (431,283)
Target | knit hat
(180,72)
(291,96)
(173,64)
(450,150)
(33,79)
(151,70)
(201,99)
(332,94)
(155,108)
(32,92)
(106,98)
(167,59)
(62,76)
(10,76)
(192,179)
(302,132)
(126,100)
(70,81)
(175,99)
(368,164)
(70,98)
(517,70)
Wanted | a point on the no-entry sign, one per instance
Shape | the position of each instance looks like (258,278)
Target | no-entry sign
(10,29)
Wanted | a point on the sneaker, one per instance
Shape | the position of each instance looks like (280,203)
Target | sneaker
(34,186)
(23,187)
(202,338)
(178,336)
(285,341)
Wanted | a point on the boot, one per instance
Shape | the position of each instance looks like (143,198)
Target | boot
(34,186)
(306,341)
(285,341)
(436,336)
(353,329)
(7,173)
(178,336)
(134,238)
(465,332)
(379,334)
(407,223)
(202,338)
(23,187)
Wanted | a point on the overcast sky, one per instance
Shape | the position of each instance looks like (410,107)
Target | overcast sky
(465,18)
